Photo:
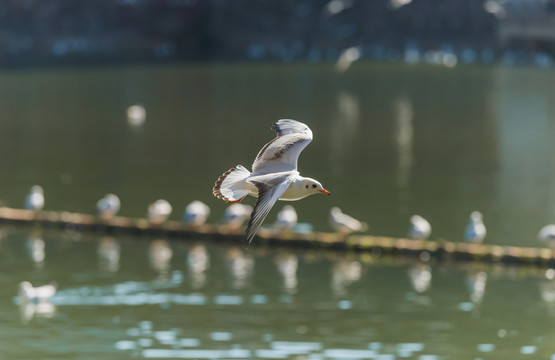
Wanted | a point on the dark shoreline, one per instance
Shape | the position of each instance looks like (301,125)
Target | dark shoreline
(61,33)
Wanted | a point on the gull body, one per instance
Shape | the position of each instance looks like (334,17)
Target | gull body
(420,228)
(547,235)
(236,214)
(343,223)
(475,230)
(286,218)
(30,294)
(35,199)
(159,211)
(108,206)
(196,213)
(274,176)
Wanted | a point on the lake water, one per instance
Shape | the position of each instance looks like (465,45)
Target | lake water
(123,298)
(389,141)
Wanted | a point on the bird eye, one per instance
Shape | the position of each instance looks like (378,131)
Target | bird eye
(314,186)
(307,186)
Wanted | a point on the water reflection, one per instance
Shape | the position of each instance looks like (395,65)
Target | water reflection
(404,133)
(36,249)
(198,262)
(420,277)
(240,266)
(343,130)
(292,290)
(344,272)
(287,264)
(28,311)
(159,257)
(108,251)
(547,294)
(476,280)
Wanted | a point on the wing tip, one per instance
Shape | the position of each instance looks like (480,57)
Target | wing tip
(286,126)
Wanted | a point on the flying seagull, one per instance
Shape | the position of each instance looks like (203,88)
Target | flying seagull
(274,175)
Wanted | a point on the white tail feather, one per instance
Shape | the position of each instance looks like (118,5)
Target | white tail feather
(231,186)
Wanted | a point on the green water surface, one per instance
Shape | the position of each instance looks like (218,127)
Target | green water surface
(389,141)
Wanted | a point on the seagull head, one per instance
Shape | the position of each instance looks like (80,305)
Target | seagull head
(476,217)
(37,189)
(313,187)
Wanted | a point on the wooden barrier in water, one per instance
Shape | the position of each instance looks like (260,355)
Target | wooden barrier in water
(376,245)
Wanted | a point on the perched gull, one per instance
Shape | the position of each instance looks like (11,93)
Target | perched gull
(475,230)
(343,223)
(35,199)
(235,215)
(420,228)
(30,294)
(196,213)
(274,176)
(159,211)
(286,219)
(547,235)
(108,206)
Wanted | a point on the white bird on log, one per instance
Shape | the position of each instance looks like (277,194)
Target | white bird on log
(35,199)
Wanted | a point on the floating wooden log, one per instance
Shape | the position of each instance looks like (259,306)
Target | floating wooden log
(377,245)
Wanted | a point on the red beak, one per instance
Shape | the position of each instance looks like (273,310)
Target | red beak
(325,192)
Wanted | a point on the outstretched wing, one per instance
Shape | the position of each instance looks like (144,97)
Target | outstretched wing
(268,194)
(282,153)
